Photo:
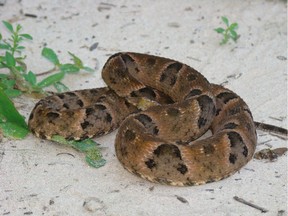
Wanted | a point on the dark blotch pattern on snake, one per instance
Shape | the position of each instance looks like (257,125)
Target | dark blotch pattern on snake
(158,142)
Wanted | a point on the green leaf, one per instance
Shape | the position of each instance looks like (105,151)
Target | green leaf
(69,68)
(234,35)
(82,145)
(8,87)
(51,80)
(225,20)
(88,69)
(13,130)
(31,78)
(10,60)
(93,155)
(219,30)
(20,48)
(4,76)
(20,68)
(5,46)
(2,86)
(9,83)
(2,118)
(0,36)
(50,55)
(14,125)
(77,61)
(27,36)
(12,93)
(18,28)
(233,26)
(8,26)
(94,158)
(19,39)
(60,87)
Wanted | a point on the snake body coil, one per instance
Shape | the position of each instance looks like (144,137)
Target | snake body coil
(159,143)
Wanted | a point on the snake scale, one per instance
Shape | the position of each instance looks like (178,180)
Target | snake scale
(162,107)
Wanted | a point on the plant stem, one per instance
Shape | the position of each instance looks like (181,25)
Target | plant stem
(47,72)
(21,83)
(15,43)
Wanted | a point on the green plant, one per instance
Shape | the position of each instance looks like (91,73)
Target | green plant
(17,79)
(12,124)
(89,147)
(229,32)
(20,79)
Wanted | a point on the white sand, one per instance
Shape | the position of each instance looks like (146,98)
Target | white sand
(34,180)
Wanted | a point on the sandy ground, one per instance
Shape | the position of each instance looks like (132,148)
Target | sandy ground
(36,180)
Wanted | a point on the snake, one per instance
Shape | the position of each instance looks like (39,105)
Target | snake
(162,109)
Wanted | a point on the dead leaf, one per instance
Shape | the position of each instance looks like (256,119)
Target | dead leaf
(270,154)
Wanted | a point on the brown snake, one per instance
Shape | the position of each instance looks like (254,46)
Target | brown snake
(160,142)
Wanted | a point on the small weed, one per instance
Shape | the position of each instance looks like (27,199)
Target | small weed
(17,80)
(229,32)
(89,147)
(12,123)
(21,80)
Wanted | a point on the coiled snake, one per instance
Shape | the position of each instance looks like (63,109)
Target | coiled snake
(159,143)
